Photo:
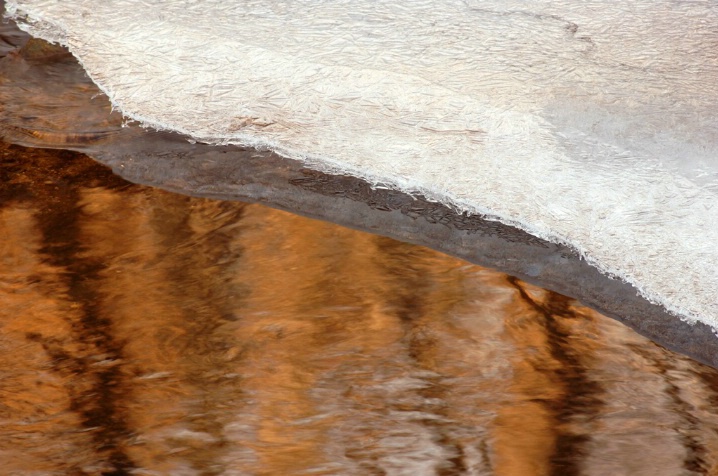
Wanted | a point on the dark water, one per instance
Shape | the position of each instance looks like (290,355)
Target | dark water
(144,332)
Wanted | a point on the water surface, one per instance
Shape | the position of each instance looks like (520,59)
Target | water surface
(144,332)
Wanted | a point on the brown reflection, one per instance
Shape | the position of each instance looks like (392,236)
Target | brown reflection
(144,332)
(556,400)
(39,430)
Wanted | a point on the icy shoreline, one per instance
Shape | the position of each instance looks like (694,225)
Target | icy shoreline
(616,157)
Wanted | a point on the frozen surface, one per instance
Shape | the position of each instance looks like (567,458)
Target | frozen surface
(586,123)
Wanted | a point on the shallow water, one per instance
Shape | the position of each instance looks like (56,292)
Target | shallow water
(144,332)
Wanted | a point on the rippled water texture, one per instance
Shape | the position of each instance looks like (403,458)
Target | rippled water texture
(143,332)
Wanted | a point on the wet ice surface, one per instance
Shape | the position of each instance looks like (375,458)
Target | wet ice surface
(143,332)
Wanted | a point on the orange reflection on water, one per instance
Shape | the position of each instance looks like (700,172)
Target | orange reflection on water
(144,332)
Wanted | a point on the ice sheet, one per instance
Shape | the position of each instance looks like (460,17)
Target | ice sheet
(588,123)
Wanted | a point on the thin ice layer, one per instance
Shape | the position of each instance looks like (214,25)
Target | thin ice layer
(586,123)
